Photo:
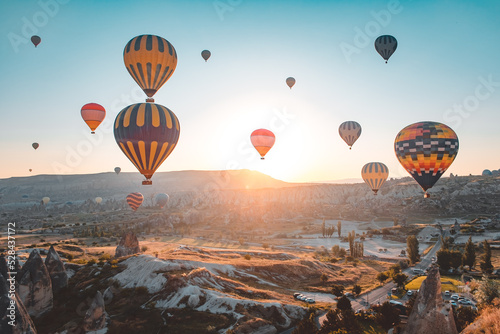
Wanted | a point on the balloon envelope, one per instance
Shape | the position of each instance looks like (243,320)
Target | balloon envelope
(134,200)
(350,131)
(35,145)
(162,200)
(35,40)
(146,133)
(263,141)
(385,46)
(426,150)
(487,172)
(206,54)
(150,60)
(117,170)
(98,200)
(46,200)
(93,114)
(374,174)
(31,169)
(290,82)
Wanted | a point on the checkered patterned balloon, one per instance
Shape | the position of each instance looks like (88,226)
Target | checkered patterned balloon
(426,150)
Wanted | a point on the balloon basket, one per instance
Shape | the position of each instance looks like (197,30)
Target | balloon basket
(150,99)
(147,183)
(262,158)
(92,132)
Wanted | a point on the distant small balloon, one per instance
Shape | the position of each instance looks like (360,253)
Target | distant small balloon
(350,131)
(35,145)
(135,200)
(117,170)
(263,141)
(30,169)
(206,54)
(290,82)
(487,172)
(46,200)
(93,114)
(35,40)
(98,200)
(386,45)
(162,199)
(374,174)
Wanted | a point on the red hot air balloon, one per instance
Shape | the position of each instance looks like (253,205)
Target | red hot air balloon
(135,200)
(35,40)
(93,114)
(262,140)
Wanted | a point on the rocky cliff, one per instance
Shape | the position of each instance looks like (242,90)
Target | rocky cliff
(13,312)
(128,245)
(95,318)
(56,269)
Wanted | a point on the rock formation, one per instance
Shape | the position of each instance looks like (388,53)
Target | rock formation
(57,271)
(430,315)
(35,287)
(13,312)
(95,318)
(128,245)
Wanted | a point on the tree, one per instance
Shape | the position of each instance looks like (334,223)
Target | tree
(469,257)
(323,278)
(350,237)
(340,322)
(447,259)
(486,266)
(386,315)
(265,246)
(306,326)
(339,228)
(342,252)
(487,291)
(382,277)
(356,290)
(444,244)
(338,290)
(323,228)
(464,316)
(336,250)
(394,269)
(344,304)
(400,279)
(412,249)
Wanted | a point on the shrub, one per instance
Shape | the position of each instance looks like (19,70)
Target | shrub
(247,257)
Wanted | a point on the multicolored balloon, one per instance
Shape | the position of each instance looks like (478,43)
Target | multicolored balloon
(117,170)
(206,54)
(35,40)
(290,82)
(374,174)
(135,200)
(93,114)
(263,141)
(386,45)
(146,133)
(426,150)
(35,145)
(162,199)
(350,131)
(150,60)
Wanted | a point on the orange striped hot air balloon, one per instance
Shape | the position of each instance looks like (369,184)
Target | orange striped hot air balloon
(374,174)
(134,200)
(93,114)
(263,141)
(150,60)
(147,133)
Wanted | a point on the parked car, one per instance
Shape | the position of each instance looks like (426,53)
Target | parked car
(310,300)
(418,272)
(394,291)
(433,259)
(465,302)
(453,303)
(301,297)
(455,297)
(349,295)
(296,294)
(447,293)
(409,293)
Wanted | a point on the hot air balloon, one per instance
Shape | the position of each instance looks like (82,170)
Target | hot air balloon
(350,131)
(385,46)
(35,40)
(150,60)
(262,140)
(134,200)
(98,200)
(31,169)
(25,196)
(426,150)
(93,114)
(46,200)
(35,145)
(162,199)
(290,82)
(117,170)
(487,172)
(374,174)
(206,54)
(147,133)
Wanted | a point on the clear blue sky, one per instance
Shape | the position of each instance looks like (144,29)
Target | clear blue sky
(447,52)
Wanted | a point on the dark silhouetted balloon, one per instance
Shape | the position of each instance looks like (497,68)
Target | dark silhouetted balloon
(290,82)
(117,170)
(36,40)
(386,45)
(206,54)
(162,200)
(35,145)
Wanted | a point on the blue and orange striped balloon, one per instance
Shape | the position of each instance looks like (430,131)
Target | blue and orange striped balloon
(150,60)
(350,131)
(146,133)
(135,200)
(374,174)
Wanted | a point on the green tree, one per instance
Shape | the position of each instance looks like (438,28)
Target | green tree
(356,290)
(336,250)
(338,290)
(323,228)
(323,278)
(412,249)
(487,291)
(464,316)
(400,279)
(342,252)
(339,228)
(447,259)
(350,237)
(469,257)
(344,303)
(386,315)
(306,326)
(444,244)
(394,269)
(486,266)
(340,322)
(265,246)
(382,277)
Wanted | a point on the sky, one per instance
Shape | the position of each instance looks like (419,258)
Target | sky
(446,69)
